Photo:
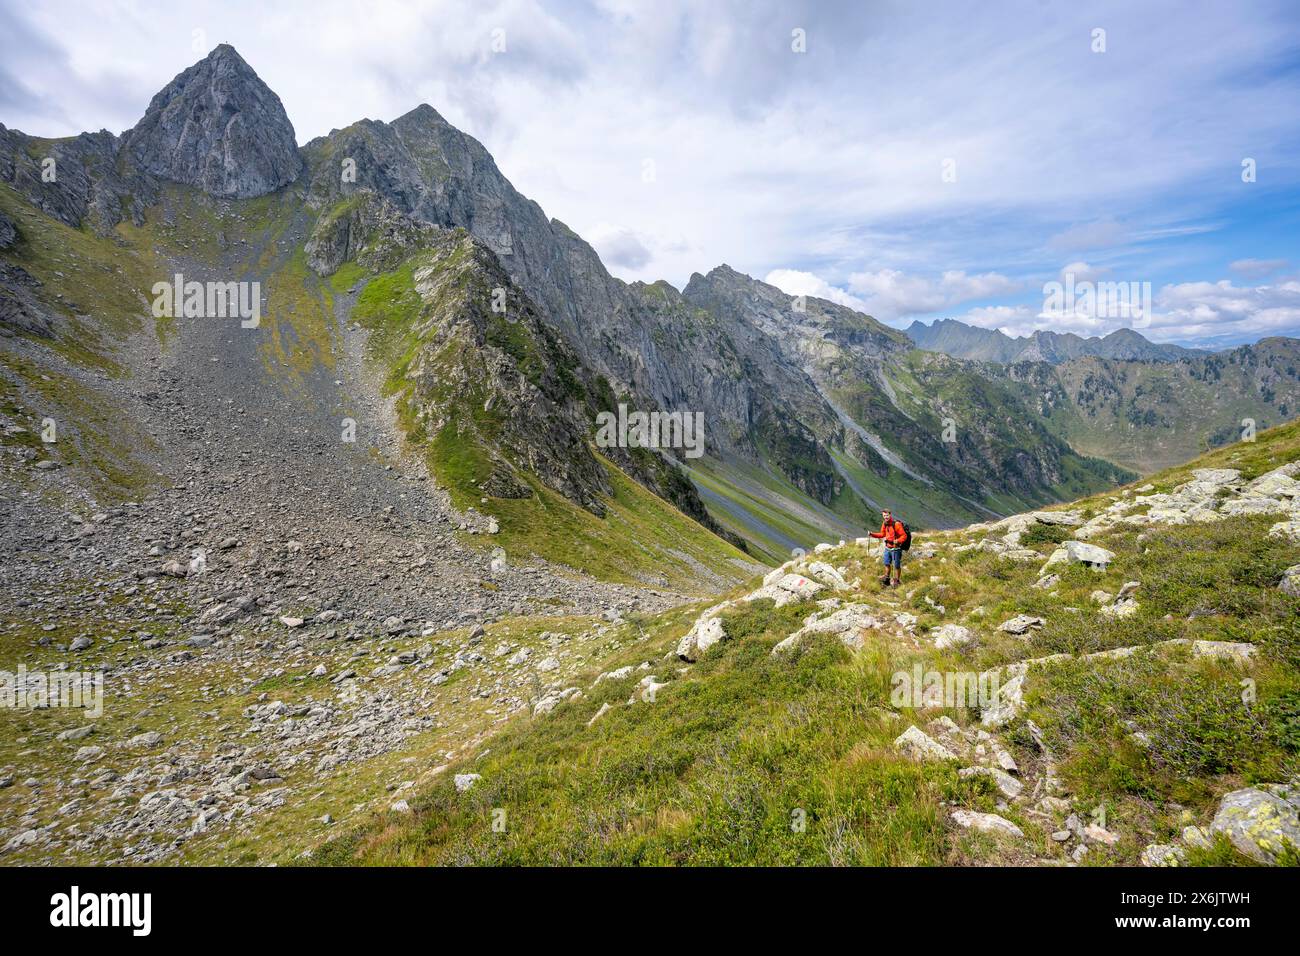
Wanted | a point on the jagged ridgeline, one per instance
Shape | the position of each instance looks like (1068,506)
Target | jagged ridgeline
(1139,404)
(814,416)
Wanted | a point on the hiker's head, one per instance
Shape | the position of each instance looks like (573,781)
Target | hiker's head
(887,514)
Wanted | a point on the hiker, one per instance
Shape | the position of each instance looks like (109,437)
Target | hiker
(895,536)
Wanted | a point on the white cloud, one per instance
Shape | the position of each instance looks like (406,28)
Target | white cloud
(1257,268)
(1014,320)
(891,294)
(1083,272)
(820,162)
(1193,312)
(795,282)
(620,248)
(1207,310)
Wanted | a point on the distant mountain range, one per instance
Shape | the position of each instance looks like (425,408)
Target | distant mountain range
(1130,401)
(960,340)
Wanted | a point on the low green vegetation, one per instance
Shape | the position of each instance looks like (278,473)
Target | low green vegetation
(640,538)
(746,757)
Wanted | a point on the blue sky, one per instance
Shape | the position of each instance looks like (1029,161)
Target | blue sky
(678,136)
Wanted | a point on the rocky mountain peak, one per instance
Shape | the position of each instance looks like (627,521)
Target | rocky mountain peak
(424,113)
(217,126)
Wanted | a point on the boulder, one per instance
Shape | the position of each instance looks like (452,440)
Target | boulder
(987,823)
(849,623)
(951,635)
(1087,554)
(1008,785)
(704,633)
(464,781)
(1238,507)
(1163,854)
(1021,624)
(828,575)
(1126,607)
(1261,822)
(1290,583)
(1007,705)
(1067,518)
(1286,530)
(916,744)
(552,700)
(1239,652)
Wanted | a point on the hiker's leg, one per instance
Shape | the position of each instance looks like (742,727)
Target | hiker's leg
(885,580)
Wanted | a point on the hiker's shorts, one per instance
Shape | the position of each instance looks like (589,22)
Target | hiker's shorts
(894,557)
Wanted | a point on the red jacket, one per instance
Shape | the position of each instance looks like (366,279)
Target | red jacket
(893,533)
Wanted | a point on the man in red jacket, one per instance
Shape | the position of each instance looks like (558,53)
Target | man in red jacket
(895,536)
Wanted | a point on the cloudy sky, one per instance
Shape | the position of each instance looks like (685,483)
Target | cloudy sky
(914,160)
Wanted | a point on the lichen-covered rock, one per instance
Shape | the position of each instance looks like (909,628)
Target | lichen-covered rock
(1290,583)
(1008,704)
(1263,823)
(1161,854)
(1286,530)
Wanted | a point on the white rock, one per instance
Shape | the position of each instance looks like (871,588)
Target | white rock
(828,575)
(1009,786)
(951,635)
(1088,554)
(849,623)
(704,633)
(1021,624)
(1287,530)
(1007,705)
(1290,583)
(986,823)
(604,709)
(464,781)
(916,744)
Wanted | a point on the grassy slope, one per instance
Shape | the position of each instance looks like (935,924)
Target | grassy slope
(1151,415)
(720,766)
(94,285)
(641,538)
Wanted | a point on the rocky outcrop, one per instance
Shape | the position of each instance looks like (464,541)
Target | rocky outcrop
(20,308)
(850,624)
(8,232)
(217,126)
(77,179)
(764,371)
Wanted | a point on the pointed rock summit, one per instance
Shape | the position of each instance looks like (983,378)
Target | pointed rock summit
(217,126)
